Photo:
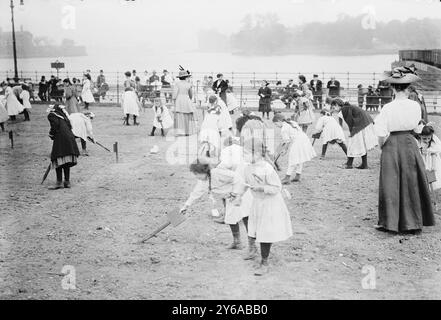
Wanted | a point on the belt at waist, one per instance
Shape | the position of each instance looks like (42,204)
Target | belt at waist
(395,133)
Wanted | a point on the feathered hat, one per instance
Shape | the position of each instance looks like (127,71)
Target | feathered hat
(401,75)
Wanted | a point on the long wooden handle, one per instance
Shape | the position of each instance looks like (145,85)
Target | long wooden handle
(154,233)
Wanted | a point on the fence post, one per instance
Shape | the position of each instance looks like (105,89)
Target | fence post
(374,80)
(36,76)
(254,80)
(276,77)
(117,87)
(232,78)
(241,92)
(348,83)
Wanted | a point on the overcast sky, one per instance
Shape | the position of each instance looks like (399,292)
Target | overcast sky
(173,23)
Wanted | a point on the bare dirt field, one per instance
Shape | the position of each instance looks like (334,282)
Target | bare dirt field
(96,226)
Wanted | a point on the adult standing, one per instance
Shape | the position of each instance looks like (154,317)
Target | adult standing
(166,81)
(220,87)
(265,99)
(404,199)
(42,89)
(362,137)
(101,84)
(333,88)
(70,96)
(289,93)
(65,151)
(302,84)
(184,122)
(86,93)
(154,78)
(317,91)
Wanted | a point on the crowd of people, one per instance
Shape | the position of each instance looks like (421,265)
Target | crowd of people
(236,162)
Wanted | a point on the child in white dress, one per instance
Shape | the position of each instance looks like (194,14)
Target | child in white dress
(130,105)
(269,219)
(25,96)
(162,119)
(330,132)
(3,113)
(297,142)
(430,147)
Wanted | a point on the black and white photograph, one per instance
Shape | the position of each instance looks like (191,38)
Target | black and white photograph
(223,151)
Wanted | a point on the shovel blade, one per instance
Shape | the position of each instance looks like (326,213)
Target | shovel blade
(175,218)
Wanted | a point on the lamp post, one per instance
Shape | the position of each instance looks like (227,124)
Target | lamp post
(16,78)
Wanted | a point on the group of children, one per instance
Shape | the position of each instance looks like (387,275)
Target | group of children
(14,101)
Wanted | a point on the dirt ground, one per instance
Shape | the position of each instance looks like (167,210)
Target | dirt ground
(96,226)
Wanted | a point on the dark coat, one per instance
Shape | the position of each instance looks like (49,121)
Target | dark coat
(334,88)
(265,101)
(63,137)
(220,87)
(318,90)
(356,118)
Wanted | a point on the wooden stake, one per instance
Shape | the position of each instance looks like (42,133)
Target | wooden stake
(115,149)
(11,137)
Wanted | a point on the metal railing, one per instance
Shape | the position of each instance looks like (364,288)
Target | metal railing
(244,85)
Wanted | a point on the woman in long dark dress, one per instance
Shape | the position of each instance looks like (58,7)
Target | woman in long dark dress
(404,197)
(265,99)
(65,151)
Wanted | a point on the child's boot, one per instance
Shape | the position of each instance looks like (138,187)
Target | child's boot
(153,132)
(296,178)
(236,245)
(262,269)
(252,249)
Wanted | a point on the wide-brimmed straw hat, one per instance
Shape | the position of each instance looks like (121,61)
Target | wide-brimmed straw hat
(401,75)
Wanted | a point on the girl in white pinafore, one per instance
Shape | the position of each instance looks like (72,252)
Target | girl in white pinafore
(269,220)
(330,132)
(300,147)
(13,106)
(3,113)
(430,146)
(130,105)
(232,159)
(86,93)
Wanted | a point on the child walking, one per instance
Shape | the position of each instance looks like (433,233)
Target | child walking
(330,132)
(269,219)
(162,119)
(297,142)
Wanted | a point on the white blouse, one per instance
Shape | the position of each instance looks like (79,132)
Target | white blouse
(398,115)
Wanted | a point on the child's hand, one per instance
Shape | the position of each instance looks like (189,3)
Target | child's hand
(257,188)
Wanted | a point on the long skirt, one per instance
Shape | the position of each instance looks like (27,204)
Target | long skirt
(404,197)
(185,123)
(362,142)
(264,106)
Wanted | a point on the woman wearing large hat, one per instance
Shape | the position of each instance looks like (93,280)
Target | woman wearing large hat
(185,123)
(404,197)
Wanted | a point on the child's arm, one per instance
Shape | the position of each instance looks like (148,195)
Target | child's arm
(199,190)
(273,185)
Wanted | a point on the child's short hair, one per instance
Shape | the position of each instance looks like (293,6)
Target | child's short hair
(200,168)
